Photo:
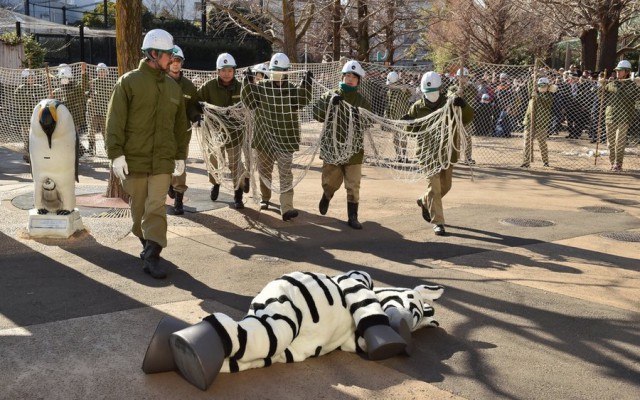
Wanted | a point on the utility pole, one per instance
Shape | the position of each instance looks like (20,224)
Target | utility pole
(26,7)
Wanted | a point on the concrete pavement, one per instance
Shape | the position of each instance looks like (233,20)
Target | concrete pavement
(528,313)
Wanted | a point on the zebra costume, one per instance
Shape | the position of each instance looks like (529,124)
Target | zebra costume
(302,315)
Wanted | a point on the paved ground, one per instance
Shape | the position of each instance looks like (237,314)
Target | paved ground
(528,313)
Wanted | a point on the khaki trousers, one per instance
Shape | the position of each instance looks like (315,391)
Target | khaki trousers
(265,165)
(234,155)
(333,175)
(616,141)
(437,187)
(541,137)
(148,194)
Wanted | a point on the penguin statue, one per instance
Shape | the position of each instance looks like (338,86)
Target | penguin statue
(53,147)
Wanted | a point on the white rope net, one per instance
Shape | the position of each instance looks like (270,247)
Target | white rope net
(284,125)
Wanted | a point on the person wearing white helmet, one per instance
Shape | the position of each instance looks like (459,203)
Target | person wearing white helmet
(398,103)
(261,71)
(99,92)
(194,113)
(148,140)
(224,91)
(465,89)
(26,96)
(622,94)
(73,95)
(341,105)
(537,121)
(438,185)
(276,102)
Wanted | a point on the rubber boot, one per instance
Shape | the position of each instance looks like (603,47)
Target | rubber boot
(383,342)
(323,206)
(178,206)
(159,357)
(198,353)
(237,200)
(152,260)
(215,191)
(246,186)
(171,192)
(352,212)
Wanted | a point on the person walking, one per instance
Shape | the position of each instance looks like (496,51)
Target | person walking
(224,91)
(26,96)
(537,121)
(99,92)
(439,184)
(397,105)
(194,113)
(147,140)
(347,167)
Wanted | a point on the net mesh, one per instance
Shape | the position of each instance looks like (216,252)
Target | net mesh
(586,124)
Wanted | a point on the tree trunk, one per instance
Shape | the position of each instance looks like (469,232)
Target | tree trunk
(363,31)
(337,24)
(589,41)
(390,32)
(128,44)
(607,52)
(289,30)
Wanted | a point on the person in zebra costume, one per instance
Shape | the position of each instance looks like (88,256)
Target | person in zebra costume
(299,315)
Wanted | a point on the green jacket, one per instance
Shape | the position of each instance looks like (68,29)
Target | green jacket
(277,127)
(326,141)
(73,95)
(191,98)
(213,92)
(147,121)
(469,94)
(397,102)
(422,108)
(542,105)
(99,94)
(26,97)
(621,100)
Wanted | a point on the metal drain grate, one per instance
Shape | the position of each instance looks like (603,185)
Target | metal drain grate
(623,236)
(623,202)
(113,213)
(527,222)
(602,210)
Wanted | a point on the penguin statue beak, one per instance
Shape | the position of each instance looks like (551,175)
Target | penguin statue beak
(48,119)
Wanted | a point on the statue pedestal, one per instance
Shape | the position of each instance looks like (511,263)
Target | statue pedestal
(53,225)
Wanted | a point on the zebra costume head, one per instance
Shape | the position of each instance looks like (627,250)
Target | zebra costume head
(411,304)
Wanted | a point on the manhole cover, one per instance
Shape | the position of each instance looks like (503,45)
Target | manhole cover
(623,236)
(602,210)
(530,223)
(623,202)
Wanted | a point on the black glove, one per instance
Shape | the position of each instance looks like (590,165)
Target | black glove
(308,78)
(249,75)
(335,100)
(458,102)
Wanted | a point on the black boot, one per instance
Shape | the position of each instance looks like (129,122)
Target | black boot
(246,186)
(323,207)
(178,207)
(352,211)
(144,244)
(152,260)
(215,191)
(171,192)
(237,200)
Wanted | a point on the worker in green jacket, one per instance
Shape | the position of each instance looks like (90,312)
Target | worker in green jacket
(147,140)
(194,113)
(26,97)
(438,185)
(99,94)
(224,91)
(622,94)
(539,112)
(465,89)
(74,95)
(276,102)
(346,163)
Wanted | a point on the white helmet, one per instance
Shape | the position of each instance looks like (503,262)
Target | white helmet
(392,77)
(25,73)
(543,81)
(225,60)
(177,52)
(261,68)
(65,72)
(624,64)
(503,76)
(102,67)
(465,72)
(158,39)
(430,82)
(279,61)
(353,67)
